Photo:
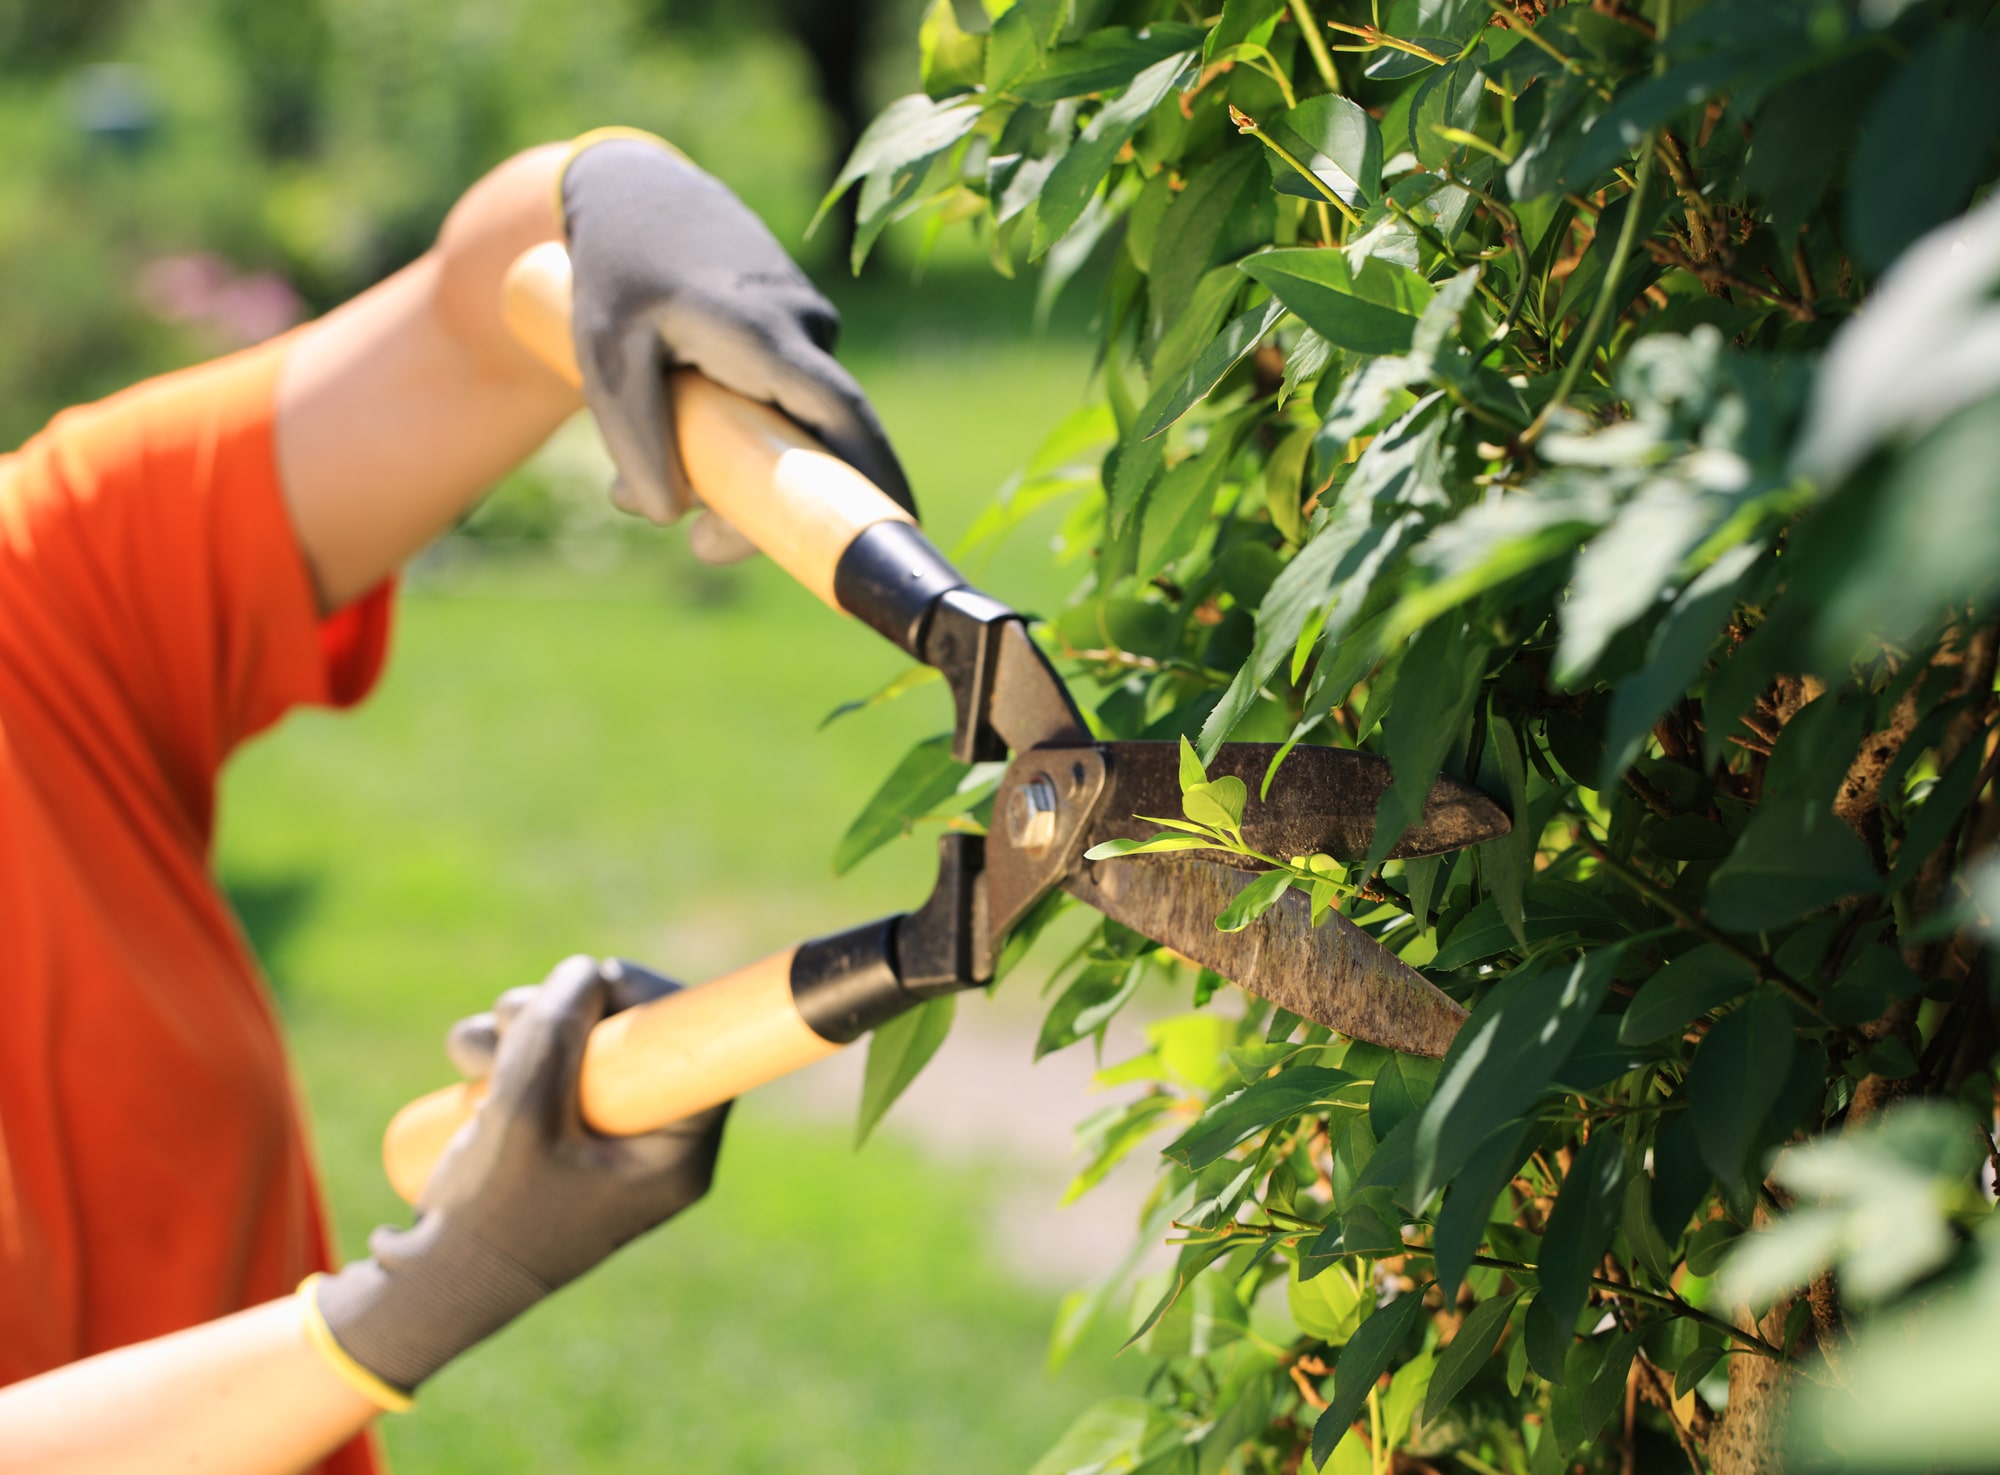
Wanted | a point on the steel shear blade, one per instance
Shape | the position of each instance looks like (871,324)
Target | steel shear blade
(1064,793)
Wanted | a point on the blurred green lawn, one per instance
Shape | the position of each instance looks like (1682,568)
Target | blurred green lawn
(625,761)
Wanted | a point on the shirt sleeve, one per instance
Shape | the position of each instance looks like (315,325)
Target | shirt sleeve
(146,546)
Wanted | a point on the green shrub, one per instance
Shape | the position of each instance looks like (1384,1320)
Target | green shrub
(1598,402)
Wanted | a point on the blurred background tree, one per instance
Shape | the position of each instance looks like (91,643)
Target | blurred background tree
(305,149)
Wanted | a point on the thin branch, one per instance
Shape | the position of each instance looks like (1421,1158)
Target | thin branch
(1614,272)
(1762,965)
(1316,45)
(1667,1302)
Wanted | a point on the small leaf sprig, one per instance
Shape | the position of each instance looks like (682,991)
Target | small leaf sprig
(1213,820)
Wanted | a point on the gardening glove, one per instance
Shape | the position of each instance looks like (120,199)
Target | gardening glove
(525,1199)
(669,270)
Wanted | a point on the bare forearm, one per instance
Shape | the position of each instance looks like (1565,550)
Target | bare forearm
(398,410)
(246,1395)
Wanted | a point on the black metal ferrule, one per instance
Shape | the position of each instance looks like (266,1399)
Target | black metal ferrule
(945,946)
(961,639)
(845,985)
(889,577)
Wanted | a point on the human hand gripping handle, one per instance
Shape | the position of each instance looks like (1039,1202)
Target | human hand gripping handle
(672,271)
(528,1198)
(772,481)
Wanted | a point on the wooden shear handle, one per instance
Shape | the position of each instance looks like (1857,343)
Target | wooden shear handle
(644,1068)
(678,1055)
(767,478)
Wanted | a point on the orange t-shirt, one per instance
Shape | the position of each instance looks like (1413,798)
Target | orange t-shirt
(155,612)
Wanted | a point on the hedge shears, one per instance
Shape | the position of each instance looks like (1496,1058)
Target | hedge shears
(1062,796)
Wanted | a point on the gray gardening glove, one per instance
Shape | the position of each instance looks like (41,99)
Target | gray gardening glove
(527,1197)
(670,269)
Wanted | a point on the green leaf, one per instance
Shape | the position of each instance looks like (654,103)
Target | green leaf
(1435,691)
(1217,803)
(1125,1127)
(1192,774)
(1680,993)
(1650,1249)
(1507,862)
(1814,751)
(1194,1259)
(1075,179)
(1625,124)
(1253,901)
(1403,1083)
(1155,845)
(1335,139)
(1467,1352)
(1874,977)
(1504,1057)
(1924,144)
(1099,990)
(1579,1229)
(1020,36)
(1329,578)
(1594,1377)
(1230,348)
(1735,1081)
(1680,1178)
(1241,21)
(1492,544)
(1107,1437)
(1407,1390)
(1554,908)
(1793,857)
(1177,509)
(897,1052)
(1362,1361)
(896,686)
(1104,60)
(1224,210)
(954,60)
(1621,573)
(1328,1306)
(904,136)
(1468,1200)
(1139,461)
(1928,516)
(1804,130)
(927,776)
(1306,362)
(1709,1245)
(1696,1366)
(1236,1119)
(1371,310)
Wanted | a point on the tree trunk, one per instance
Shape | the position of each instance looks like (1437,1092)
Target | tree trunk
(1749,1439)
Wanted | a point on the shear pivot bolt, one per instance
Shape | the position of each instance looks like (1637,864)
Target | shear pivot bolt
(1031,816)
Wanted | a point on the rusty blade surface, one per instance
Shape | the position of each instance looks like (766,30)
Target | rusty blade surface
(1323,799)
(1334,974)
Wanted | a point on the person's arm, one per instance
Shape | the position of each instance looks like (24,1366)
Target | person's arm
(397,410)
(246,1395)
(525,1200)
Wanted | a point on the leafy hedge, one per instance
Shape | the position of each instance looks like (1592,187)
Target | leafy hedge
(1599,402)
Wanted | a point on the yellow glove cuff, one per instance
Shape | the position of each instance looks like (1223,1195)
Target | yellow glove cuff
(602,135)
(383,1395)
